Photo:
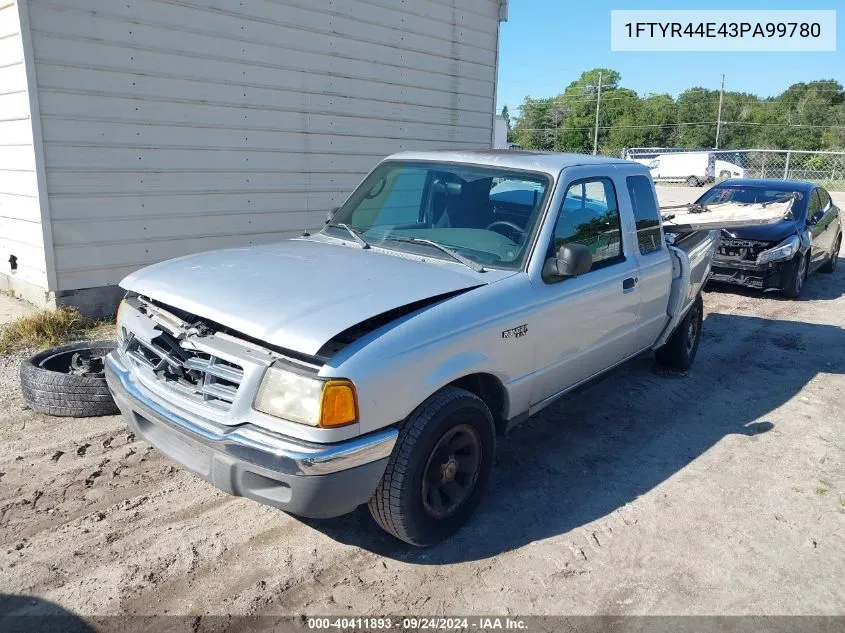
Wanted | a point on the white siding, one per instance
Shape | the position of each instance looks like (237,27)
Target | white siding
(174,127)
(20,214)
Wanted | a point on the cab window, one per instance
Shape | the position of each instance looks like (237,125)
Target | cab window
(590,216)
(646,215)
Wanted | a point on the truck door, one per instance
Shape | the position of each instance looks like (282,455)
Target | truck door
(655,267)
(587,323)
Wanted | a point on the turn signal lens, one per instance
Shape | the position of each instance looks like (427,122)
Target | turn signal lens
(340,404)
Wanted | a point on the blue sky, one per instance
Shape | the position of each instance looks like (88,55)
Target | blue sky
(546,44)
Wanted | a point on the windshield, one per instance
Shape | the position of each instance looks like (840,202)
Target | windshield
(749,194)
(742,194)
(486,215)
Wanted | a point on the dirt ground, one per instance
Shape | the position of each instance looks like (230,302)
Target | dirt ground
(717,492)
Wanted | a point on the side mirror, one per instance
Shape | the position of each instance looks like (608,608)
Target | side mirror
(331,214)
(571,260)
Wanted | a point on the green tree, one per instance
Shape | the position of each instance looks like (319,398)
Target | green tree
(805,116)
(506,116)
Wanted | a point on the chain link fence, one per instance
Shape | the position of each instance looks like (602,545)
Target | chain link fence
(824,168)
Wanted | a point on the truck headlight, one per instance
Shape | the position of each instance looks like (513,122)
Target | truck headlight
(306,400)
(784,250)
(121,332)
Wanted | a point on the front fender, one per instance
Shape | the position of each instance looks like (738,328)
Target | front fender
(453,369)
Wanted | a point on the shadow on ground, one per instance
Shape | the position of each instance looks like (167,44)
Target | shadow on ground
(24,614)
(595,451)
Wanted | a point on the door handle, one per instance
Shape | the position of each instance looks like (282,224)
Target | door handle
(629,284)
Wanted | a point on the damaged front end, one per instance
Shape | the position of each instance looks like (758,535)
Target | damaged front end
(755,263)
(255,420)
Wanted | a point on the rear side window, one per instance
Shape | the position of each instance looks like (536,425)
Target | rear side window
(646,214)
(814,206)
(824,198)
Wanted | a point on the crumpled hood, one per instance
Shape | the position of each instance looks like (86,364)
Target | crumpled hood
(770,233)
(296,294)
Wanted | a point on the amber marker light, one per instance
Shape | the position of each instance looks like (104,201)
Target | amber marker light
(339,405)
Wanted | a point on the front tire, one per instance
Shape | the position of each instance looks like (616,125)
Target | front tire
(437,473)
(679,351)
(692,181)
(796,275)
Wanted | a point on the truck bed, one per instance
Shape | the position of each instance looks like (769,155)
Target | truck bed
(692,257)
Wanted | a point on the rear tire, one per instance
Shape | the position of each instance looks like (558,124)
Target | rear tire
(830,265)
(679,351)
(437,473)
(725,175)
(692,181)
(796,275)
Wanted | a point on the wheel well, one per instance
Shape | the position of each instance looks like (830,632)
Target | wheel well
(491,390)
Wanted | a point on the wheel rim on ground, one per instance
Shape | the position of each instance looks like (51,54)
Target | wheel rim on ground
(692,330)
(84,362)
(451,471)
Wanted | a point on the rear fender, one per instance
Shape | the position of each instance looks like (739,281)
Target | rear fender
(692,257)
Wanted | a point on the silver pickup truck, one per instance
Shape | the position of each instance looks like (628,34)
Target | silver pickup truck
(453,295)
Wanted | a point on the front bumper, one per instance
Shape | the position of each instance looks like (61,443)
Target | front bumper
(303,478)
(750,274)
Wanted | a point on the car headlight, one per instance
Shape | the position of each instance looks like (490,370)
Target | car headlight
(784,250)
(306,400)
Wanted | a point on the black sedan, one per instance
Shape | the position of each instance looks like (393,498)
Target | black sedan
(778,255)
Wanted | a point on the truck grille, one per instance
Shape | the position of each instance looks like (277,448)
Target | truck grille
(741,250)
(196,375)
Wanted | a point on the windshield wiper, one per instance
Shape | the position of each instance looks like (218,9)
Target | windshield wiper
(451,253)
(360,241)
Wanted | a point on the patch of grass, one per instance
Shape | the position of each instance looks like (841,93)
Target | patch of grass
(47,328)
(820,490)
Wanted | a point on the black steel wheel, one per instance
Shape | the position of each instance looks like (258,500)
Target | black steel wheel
(679,351)
(451,471)
(438,470)
(68,380)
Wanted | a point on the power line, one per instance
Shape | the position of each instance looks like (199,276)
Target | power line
(782,124)
(565,128)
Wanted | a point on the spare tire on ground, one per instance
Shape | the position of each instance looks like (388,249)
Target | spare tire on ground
(68,380)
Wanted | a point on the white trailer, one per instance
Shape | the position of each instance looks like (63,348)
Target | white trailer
(693,168)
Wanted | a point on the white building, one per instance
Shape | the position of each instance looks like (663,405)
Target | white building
(136,131)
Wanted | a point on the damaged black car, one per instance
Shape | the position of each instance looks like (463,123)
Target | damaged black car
(777,256)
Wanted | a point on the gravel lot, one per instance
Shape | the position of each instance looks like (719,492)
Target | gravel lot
(717,492)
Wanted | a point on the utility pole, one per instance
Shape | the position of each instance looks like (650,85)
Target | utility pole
(596,134)
(719,116)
